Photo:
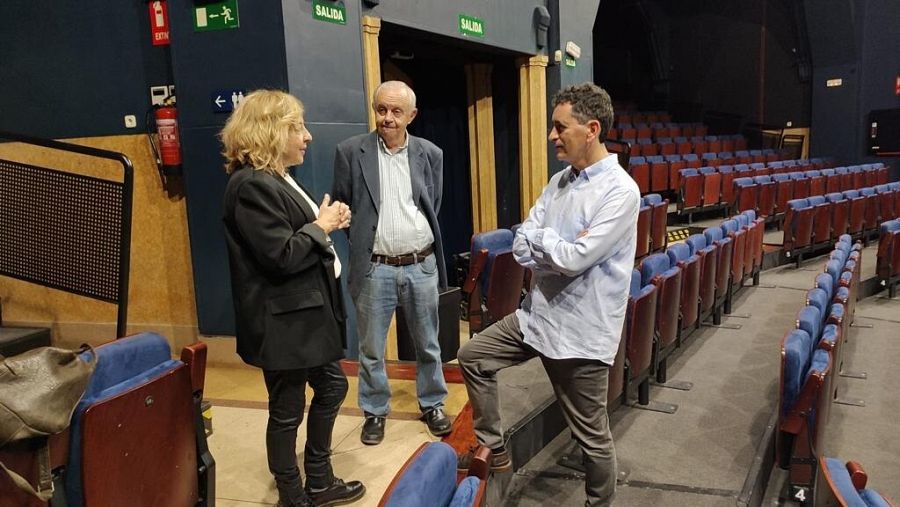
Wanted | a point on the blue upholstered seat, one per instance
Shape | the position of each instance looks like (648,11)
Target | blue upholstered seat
(809,319)
(652,199)
(831,334)
(121,366)
(696,242)
(820,299)
(730,226)
(826,282)
(815,200)
(834,268)
(655,264)
(713,234)
(797,349)
(429,478)
(495,242)
(837,478)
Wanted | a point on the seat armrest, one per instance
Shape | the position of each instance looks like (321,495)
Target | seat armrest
(476,266)
(481,463)
(194,355)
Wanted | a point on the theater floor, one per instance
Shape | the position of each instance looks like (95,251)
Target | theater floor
(700,455)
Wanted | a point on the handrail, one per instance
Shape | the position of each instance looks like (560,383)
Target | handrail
(127,202)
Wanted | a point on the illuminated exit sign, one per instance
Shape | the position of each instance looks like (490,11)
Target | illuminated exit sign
(470,25)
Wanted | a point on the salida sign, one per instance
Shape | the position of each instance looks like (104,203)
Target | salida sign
(159,23)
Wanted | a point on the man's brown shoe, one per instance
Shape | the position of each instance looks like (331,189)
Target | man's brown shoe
(499,463)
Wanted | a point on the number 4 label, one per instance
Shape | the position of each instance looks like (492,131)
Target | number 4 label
(800,494)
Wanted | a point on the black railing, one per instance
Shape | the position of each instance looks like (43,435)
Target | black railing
(67,231)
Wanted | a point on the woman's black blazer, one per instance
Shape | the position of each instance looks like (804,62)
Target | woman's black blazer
(288,307)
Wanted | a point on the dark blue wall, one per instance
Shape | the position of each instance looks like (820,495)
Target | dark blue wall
(246,58)
(75,69)
(855,41)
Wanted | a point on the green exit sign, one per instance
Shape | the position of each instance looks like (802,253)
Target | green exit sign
(470,25)
(329,12)
(216,16)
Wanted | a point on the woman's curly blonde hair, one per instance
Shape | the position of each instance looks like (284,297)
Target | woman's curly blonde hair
(257,132)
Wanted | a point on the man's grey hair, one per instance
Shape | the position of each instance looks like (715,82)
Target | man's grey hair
(410,94)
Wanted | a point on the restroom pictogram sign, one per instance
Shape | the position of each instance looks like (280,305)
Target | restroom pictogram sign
(159,23)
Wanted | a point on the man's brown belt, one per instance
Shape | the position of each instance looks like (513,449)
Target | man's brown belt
(405,259)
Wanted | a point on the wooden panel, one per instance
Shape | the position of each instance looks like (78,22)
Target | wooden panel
(532,130)
(371,27)
(482,165)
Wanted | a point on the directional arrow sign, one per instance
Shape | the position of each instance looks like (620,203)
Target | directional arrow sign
(224,101)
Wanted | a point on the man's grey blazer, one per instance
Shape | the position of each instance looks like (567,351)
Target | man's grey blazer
(356,182)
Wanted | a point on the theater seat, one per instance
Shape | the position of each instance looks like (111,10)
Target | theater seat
(708,261)
(711,182)
(725,248)
(645,214)
(804,397)
(732,229)
(133,440)
(656,270)
(638,336)
(821,220)
(680,255)
(659,208)
(887,262)
(798,224)
(845,484)
(745,190)
(493,284)
(639,170)
(429,478)
(840,213)
(691,191)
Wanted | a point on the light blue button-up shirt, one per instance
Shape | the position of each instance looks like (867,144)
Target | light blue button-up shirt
(579,239)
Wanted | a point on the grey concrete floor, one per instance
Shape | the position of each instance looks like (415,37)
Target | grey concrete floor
(701,455)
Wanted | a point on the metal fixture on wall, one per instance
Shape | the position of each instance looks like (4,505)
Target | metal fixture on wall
(541,25)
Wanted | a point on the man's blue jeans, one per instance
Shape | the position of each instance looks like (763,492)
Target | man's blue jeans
(384,288)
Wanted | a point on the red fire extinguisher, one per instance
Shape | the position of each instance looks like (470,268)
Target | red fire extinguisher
(169,151)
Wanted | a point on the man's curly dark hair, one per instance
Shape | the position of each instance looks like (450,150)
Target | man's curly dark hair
(589,102)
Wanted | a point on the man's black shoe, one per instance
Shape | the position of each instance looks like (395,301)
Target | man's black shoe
(338,493)
(372,430)
(438,423)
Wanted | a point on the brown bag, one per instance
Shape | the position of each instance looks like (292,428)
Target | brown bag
(39,390)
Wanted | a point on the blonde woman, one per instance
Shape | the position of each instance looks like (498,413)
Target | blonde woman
(284,277)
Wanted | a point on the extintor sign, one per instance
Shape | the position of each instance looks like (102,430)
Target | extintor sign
(159,22)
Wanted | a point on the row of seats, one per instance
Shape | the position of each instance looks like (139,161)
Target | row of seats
(713,187)
(887,264)
(672,293)
(813,222)
(767,188)
(683,145)
(660,173)
(630,116)
(494,282)
(766,193)
(811,355)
